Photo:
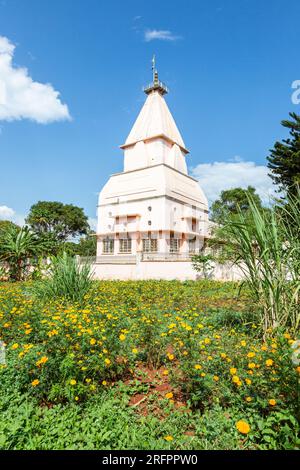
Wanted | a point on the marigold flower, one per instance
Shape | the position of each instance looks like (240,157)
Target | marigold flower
(198,366)
(93,341)
(251,354)
(251,365)
(135,351)
(216,378)
(243,427)
(35,382)
(122,337)
(41,361)
(107,361)
(169,438)
(104,382)
(15,346)
(248,399)
(170,356)
(272,402)
(269,362)
(233,371)
(169,395)
(73,382)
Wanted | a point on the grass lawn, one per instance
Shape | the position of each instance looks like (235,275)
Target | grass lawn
(144,365)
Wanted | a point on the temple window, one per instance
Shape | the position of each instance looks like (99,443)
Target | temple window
(108,246)
(125,245)
(150,245)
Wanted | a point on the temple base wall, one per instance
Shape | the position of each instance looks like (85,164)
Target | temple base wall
(169,270)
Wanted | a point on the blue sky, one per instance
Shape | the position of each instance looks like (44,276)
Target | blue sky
(229,64)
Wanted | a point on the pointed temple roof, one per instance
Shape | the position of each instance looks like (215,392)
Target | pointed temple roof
(155,119)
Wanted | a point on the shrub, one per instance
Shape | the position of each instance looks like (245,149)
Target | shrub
(67,278)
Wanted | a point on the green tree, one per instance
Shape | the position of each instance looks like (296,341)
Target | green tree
(60,220)
(232,201)
(19,248)
(5,224)
(87,245)
(284,159)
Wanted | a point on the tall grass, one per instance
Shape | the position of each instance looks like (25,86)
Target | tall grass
(66,279)
(267,248)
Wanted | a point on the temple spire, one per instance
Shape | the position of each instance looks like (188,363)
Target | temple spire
(156,84)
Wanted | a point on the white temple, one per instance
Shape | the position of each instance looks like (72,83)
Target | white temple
(153,210)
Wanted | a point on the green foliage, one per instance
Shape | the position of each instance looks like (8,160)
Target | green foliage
(7,224)
(19,248)
(267,249)
(66,279)
(61,220)
(87,245)
(231,202)
(203,264)
(284,159)
(96,375)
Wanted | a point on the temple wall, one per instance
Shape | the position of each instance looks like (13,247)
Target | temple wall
(181,270)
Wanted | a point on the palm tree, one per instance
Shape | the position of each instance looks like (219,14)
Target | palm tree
(17,247)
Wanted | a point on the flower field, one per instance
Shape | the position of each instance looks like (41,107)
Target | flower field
(149,364)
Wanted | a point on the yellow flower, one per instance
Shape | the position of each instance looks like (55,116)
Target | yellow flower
(207,341)
(76,398)
(169,438)
(41,361)
(107,361)
(216,378)
(135,351)
(243,427)
(235,379)
(298,369)
(104,382)
(203,374)
(169,395)
(198,367)
(243,343)
(93,341)
(251,354)
(233,371)
(35,382)
(269,362)
(248,381)
(73,382)
(122,337)
(165,372)
(248,399)
(88,380)
(272,402)
(170,356)
(15,346)
(251,365)
(223,355)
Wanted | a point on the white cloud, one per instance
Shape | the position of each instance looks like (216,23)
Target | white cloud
(218,176)
(163,35)
(6,213)
(21,97)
